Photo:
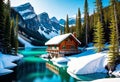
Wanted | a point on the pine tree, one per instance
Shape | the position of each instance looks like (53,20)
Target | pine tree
(100,13)
(12,24)
(61,30)
(98,32)
(7,34)
(67,25)
(16,35)
(64,29)
(99,9)
(98,36)
(78,25)
(86,22)
(114,43)
(2,25)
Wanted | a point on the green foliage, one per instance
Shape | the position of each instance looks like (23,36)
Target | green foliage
(114,46)
(98,30)
(60,30)
(99,9)
(2,25)
(99,36)
(16,35)
(7,34)
(67,25)
(78,25)
(72,29)
(12,33)
(86,22)
(64,29)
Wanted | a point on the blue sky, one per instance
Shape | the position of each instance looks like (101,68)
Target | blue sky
(59,8)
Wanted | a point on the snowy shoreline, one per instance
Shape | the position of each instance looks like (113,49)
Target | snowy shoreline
(87,62)
(6,63)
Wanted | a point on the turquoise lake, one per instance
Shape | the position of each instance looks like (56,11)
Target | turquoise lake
(32,68)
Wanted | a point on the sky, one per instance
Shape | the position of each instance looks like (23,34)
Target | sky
(59,8)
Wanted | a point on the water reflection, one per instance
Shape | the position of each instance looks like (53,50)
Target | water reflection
(27,70)
(39,72)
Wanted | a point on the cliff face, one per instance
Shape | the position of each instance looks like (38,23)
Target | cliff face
(37,28)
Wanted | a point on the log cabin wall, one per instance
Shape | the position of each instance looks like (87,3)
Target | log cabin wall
(68,43)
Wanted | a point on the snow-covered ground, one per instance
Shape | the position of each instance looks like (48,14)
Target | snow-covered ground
(117,71)
(108,80)
(6,62)
(87,62)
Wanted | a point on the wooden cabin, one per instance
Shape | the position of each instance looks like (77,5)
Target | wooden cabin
(63,45)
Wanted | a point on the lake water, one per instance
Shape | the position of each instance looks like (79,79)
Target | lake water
(34,69)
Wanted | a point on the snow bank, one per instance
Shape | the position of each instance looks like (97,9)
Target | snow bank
(5,71)
(88,64)
(108,80)
(117,71)
(60,60)
(6,63)
(89,51)
(1,64)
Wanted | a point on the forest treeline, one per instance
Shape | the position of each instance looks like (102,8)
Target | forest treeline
(103,26)
(92,21)
(8,30)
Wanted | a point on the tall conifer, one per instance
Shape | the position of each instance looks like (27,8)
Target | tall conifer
(16,35)
(86,22)
(99,31)
(99,36)
(114,42)
(67,25)
(7,34)
(78,25)
(2,25)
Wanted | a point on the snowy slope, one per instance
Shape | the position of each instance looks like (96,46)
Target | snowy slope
(6,63)
(89,64)
(27,44)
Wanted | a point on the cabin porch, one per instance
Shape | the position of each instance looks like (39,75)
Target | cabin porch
(63,52)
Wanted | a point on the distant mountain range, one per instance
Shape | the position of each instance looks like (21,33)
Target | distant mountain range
(72,21)
(37,28)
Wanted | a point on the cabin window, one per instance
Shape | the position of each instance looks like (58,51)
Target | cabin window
(68,40)
(72,47)
(55,47)
(63,47)
(50,47)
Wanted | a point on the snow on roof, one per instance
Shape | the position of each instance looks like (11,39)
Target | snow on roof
(57,39)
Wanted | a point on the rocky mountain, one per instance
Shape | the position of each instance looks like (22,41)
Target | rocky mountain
(62,21)
(54,19)
(37,28)
(27,16)
(49,28)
